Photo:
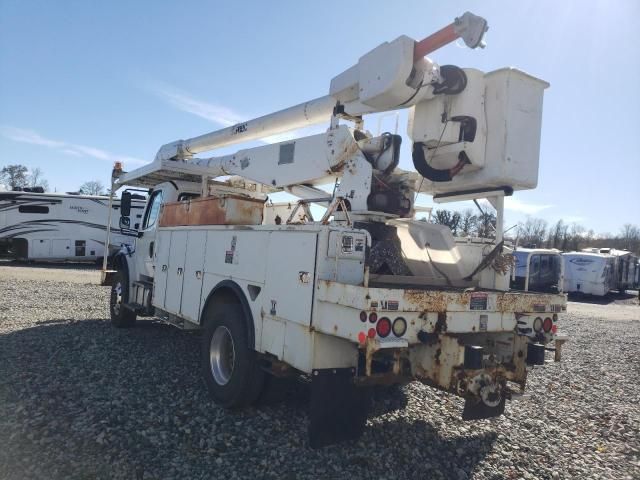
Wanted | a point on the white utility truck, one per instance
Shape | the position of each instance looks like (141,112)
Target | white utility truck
(364,295)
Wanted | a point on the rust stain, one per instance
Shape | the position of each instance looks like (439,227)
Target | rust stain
(426,301)
(523,302)
(345,156)
(214,210)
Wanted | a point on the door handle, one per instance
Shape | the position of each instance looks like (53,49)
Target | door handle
(164,268)
(179,271)
(199,274)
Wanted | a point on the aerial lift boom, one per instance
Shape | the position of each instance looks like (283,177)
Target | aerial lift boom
(409,60)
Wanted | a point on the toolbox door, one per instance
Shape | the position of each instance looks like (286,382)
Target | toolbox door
(175,271)
(193,274)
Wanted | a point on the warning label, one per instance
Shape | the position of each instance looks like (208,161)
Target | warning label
(478,301)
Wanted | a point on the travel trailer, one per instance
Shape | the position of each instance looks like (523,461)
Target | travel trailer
(37,226)
(537,270)
(624,268)
(588,273)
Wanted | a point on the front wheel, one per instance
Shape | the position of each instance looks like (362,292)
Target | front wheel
(121,317)
(229,366)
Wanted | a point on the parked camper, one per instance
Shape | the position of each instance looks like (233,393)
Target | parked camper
(588,273)
(58,227)
(624,267)
(537,270)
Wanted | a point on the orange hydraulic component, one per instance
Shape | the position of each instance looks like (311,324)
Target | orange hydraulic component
(469,27)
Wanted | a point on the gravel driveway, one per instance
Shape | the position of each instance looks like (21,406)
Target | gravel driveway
(79,399)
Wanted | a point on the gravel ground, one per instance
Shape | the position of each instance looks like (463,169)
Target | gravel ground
(79,399)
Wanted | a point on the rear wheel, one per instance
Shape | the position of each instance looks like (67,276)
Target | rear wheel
(229,366)
(121,317)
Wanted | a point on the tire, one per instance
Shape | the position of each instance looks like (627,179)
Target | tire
(121,317)
(229,366)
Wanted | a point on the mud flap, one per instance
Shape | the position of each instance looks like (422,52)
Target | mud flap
(338,407)
(477,410)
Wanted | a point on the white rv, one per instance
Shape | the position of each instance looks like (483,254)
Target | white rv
(58,227)
(624,268)
(537,270)
(589,273)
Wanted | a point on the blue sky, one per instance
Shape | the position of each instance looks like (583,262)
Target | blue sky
(86,83)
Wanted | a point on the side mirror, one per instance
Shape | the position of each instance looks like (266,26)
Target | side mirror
(125,204)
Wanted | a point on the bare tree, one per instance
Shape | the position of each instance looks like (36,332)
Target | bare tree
(576,237)
(92,187)
(532,232)
(558,235)
(630,237)
(36,179)
(486,225)
(448,218)
(468,223)
(15,176)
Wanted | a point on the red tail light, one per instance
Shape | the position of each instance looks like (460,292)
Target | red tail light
(547,324)
(383,327)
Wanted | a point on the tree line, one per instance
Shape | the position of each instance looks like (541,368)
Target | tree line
(467,223)
(19,177)
(537,232)
(567,237)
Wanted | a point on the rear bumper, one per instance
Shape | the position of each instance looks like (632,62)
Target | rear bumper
(443,326)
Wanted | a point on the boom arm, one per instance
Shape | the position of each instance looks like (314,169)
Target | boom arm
(390,76)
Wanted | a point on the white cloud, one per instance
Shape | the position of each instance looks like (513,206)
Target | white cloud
(74,149)
(220,114)
(515,205)
(209,111)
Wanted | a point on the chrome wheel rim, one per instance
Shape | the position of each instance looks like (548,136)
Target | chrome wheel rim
(117,300)
(222,355)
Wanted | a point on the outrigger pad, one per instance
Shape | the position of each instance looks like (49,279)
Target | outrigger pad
(477,410)
(338,407)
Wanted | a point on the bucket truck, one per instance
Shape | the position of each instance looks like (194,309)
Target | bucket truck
(364,295)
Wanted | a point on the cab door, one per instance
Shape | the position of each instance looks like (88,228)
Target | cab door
(145,246)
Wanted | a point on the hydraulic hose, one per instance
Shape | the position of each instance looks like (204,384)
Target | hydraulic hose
(435,174)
